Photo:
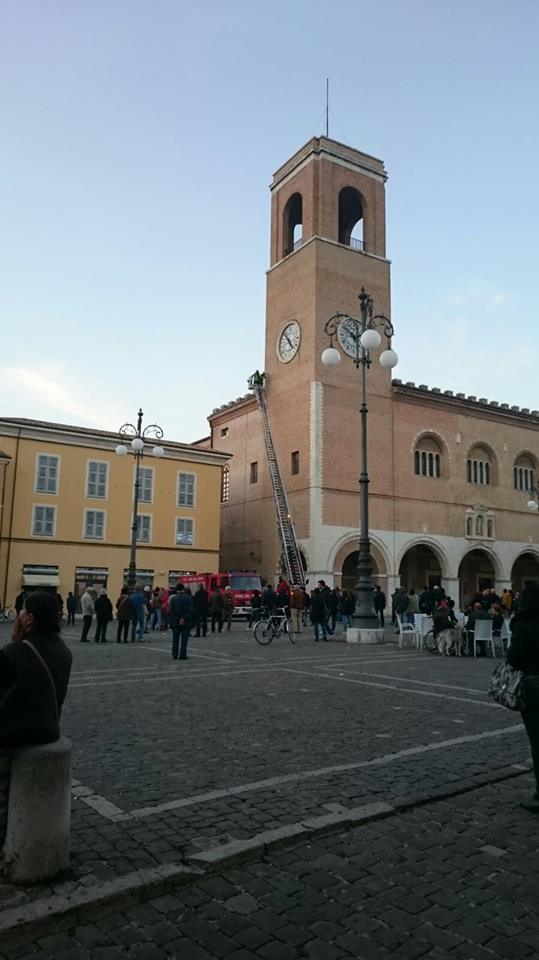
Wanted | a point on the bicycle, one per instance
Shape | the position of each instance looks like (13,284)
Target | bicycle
(272,627)
(7,615)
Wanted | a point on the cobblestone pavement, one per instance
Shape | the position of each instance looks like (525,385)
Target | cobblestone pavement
(172,757)
(458,878)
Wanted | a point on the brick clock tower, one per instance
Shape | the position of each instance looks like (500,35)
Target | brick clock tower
(327,241)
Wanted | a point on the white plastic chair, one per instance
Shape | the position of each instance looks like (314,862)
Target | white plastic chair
(505,636)
(483,634)
(405,630)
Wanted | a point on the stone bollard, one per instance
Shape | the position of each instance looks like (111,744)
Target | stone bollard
(39,812)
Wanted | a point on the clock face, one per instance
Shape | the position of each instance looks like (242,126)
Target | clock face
(348,335)
(288,342)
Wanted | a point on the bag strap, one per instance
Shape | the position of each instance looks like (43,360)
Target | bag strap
(49,674)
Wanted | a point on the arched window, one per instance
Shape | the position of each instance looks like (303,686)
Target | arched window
(428,458)
(292,224)
(225,484)
(490,528)
(351,218)
(468,526)
(479,467)
(479,526)
(524,473)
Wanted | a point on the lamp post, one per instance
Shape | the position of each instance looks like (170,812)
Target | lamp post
(358,336)
(137,436)
(533,502)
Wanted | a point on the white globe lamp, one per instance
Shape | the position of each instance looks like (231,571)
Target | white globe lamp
(389,359)
(121,450)
(331,357)
(533,505)
(370,339)
(158,451)
(137,445)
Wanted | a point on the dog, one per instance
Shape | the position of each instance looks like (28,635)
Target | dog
(449,641)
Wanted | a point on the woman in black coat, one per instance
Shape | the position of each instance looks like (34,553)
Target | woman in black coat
(523,654)
(31,694)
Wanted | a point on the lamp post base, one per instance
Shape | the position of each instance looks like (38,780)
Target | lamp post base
(365,635)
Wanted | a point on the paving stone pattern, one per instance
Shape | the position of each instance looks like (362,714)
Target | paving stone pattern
(458,878)
(147,730)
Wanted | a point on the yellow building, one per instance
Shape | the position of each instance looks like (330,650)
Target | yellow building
(66,501)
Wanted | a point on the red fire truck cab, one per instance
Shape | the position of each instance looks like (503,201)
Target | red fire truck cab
(242,585)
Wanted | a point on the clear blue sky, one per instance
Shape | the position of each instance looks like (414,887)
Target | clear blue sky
(138,141)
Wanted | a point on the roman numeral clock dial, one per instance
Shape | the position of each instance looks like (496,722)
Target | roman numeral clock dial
(288,342)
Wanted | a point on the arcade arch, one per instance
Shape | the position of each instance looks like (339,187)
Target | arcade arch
(525,570)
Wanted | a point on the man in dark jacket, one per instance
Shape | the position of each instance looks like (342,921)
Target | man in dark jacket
(379,603)
(401,603)
(181,619)
(217,609)
(103,616)
(71,604)
(319,614)
(201,602)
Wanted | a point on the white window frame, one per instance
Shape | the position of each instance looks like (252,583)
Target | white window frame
(187,473)
(95,496)
(43,506)
(152,469)
(88,510)
(150,525)
(190,520)
(47,493)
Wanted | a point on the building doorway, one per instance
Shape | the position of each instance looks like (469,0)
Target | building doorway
(419,568)
(525,571)
(349,572)
(476,573)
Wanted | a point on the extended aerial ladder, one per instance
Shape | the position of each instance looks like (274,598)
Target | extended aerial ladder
(290,551)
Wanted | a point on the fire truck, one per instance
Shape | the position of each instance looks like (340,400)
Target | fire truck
(242,584)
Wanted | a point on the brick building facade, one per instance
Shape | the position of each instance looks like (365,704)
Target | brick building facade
(448,473)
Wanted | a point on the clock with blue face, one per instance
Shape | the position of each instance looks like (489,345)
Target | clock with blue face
(348,335)
(289,341)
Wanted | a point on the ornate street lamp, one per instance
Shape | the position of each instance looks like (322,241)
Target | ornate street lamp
(358,336)
(533,502)
(138,436)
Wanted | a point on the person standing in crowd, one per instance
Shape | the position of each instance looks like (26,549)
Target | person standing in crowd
(124,615)
(256,609)
(181,619)
(35,669)
(139,611)
(325,592)
(88,610)
(60,607)
(71,604)
(348,605)
(296,608)
(413,606)
(103,615)
(228,607)
(201,608)
(379,603)
(523,654)
(269,599)
(335,607)
(165,598)
(217,609)
(155,609)
(507,601)
(319,615)
(400,603)
(425,601)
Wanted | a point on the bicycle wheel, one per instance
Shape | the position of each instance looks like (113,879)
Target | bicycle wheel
(429,643)
(264,632)
(290,631)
